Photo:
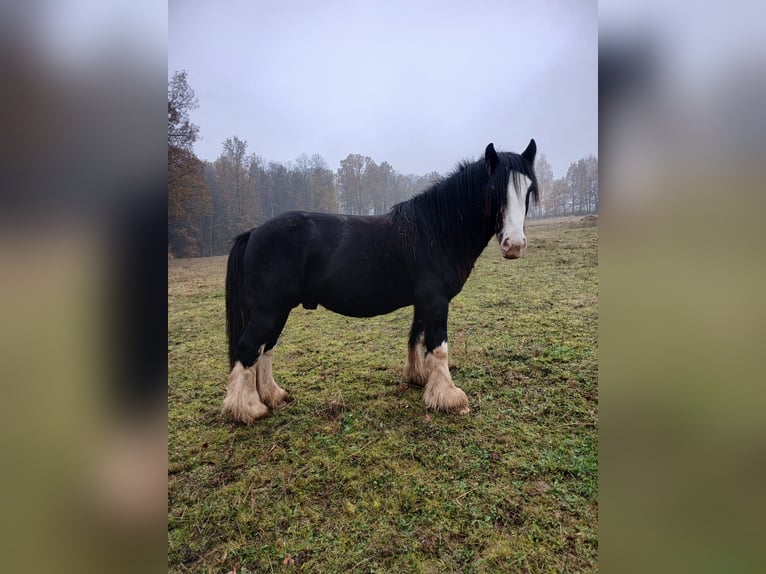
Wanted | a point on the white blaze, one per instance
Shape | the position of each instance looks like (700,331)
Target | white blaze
(512,236)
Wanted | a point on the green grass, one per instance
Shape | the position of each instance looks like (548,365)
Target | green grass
(354,475)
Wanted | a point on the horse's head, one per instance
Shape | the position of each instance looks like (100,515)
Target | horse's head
(512,176)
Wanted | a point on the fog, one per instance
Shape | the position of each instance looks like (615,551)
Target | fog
(420,85)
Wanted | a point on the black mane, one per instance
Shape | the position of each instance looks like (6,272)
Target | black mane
(460,212)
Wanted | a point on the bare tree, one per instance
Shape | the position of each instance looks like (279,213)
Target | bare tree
(188,196)
(544,174)
(350,180)
(322,186)
(181,102)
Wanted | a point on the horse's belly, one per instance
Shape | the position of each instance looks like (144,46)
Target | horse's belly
(365,302)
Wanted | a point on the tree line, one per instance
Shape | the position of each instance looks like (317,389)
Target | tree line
(209,203)
(574,194)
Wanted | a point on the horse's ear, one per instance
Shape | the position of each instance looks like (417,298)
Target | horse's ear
(529,153)
(490,158)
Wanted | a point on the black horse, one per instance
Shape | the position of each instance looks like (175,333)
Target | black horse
(420,253)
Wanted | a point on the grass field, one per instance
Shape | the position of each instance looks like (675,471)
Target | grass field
(354,475)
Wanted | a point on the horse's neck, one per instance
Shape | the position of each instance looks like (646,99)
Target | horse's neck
(465,226)
(466,241)
(466,250)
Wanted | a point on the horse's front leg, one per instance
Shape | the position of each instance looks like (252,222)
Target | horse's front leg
(440,392)
(414,366)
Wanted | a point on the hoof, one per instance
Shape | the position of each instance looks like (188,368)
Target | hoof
(447,400)
(246,412)
(242,401)
(278,398)
(415,380)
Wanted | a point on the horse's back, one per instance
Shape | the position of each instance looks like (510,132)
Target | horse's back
(293,236)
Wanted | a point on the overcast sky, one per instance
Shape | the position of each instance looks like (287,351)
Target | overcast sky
(421,85)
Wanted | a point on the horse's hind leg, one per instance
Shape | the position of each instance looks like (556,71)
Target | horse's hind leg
(242,400)
(268,389)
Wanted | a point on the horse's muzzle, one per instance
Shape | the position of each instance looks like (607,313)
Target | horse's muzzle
(513,250)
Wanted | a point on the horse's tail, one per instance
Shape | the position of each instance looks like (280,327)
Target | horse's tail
(237,313)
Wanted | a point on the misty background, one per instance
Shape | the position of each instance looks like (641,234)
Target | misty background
(421,85)
(353,107)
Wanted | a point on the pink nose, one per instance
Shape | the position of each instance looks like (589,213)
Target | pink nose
(513,249)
